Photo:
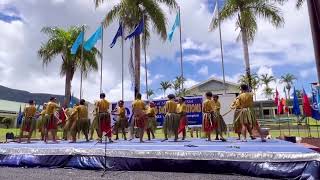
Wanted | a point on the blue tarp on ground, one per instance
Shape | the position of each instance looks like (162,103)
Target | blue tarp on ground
(36,155)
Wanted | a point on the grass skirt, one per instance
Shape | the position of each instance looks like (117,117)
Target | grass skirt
(41,122)
(94,125)
(83,125)
(105,123)
(171,123)
(28,124)
(152,123)
(140,119)
(220,125)
(52,123)
(208,123)
(244,117)
(121,123)
(183,123)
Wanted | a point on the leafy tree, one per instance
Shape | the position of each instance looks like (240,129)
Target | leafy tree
(246,13)
(165,85)
(130,12)
(59,44)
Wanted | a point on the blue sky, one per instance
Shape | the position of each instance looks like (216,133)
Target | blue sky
(275,51)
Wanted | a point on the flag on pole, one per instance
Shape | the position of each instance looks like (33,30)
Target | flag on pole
(215,16)
(137,31)
(278,102)
(119,33)
(72,103)
(281,106)
(315,107)
(19,118)
(317,87)
(176,24)
(306,105)
(89,44)
(276,99)
(296,106)
(77,43)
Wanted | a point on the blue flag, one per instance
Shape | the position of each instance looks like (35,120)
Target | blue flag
(119,33)
(89,44)
(176,24)
(72,101)
(296,106)
(315,112)
(137,31)
(19,118)
(77,43)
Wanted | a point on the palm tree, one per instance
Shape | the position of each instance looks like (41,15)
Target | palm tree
(130,12)
(268,92)
(299,3)
(288,80)
(265,79)
(246,13)
(255,82)
(150,93)
(59,43)
(164,86)
(177,84)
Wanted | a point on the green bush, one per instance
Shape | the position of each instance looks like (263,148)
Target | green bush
(7,122)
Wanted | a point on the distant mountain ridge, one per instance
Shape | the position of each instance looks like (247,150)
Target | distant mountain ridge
(24,96)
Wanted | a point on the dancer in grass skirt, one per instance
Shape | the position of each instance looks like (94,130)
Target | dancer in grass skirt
(42,121)
(139,116)
(152,123)
(208,124)
(122,120)
(28,121)
(52,123)
(220,125)
(244,117)
(82,121)
(94,124)
(104,121)
(182,111)
(172,119)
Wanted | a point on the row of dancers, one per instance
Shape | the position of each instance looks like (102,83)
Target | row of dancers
(144,119)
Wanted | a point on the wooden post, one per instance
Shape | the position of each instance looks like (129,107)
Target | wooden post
(314,16)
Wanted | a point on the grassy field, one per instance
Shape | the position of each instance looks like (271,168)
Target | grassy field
(294,131)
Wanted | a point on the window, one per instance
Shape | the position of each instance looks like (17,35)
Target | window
(266,112)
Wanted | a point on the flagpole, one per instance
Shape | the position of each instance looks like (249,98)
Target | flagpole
(122,62)
(81,69)
(101,58)
(181,60)
(221,49)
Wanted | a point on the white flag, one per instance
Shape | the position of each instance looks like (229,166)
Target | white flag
(215,16)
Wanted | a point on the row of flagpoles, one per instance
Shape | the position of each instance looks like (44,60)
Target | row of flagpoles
(309,110)
(98,35)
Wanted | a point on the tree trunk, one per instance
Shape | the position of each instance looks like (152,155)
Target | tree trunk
(67,93)
(137,50)
(246,55)
(289,98)
(314,14)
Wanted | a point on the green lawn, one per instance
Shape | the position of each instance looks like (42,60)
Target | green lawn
(159,134)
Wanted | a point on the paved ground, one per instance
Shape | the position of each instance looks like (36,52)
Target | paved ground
(69,174)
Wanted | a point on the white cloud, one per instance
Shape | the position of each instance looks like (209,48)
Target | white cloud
(21,68)
(304,73)
(189,83)
(189,44)
(203,71)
